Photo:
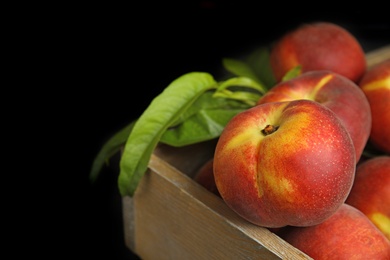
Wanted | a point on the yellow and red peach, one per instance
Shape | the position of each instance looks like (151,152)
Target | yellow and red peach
(334,91)
(347,234)
(371,191)
(284,163)
(376,86)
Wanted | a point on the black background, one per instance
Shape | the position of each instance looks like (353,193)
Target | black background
(118,58)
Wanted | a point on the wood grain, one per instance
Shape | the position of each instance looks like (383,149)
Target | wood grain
(378,55)
(188,222)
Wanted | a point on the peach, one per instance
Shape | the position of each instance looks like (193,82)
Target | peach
(205,177)
(376,86)
(284,163)
(347,234)
(334,91)
(371,191)
(318,46)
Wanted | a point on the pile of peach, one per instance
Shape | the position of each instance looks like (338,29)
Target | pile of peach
(295,163)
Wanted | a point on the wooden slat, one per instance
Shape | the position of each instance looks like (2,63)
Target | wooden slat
(378,55)
(178,219)
(128,222)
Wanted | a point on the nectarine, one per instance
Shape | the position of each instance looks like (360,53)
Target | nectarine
(376,86)
(334,91)
(205,177)
(371,191)
(284,163)
(318,46)
(347,234)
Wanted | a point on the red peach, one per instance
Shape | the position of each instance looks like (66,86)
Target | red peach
(284,163)
(205,177)
(318,46)
(376,86)
(347,234)
(371,191)
(334,91)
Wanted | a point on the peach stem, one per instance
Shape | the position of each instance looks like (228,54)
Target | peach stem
(269,129)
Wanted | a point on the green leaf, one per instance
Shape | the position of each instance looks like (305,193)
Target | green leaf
(204,121)
(258,60)
(111,147)
(250,96)
(256,66)
(292,73)
(242,82)
(163,111)
(240,68)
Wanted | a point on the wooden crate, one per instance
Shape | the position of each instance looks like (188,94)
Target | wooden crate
(171,216)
